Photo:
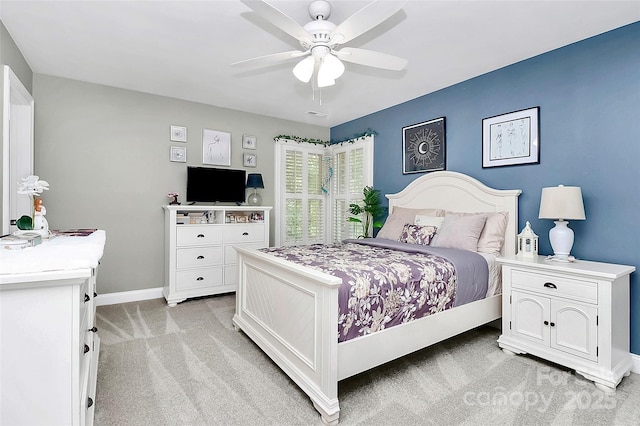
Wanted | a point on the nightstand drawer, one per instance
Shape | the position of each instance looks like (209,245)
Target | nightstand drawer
(198,235)
(556,285)
(198,256)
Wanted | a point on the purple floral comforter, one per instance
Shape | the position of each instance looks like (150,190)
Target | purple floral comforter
(383,285)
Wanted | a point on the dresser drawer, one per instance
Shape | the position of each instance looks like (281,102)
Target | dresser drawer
(86,347)
(198,256)
(84,304)
(250,232)
(556,285)
(198,235)
(190,279)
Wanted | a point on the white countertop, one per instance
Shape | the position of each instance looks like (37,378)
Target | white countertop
(60,253)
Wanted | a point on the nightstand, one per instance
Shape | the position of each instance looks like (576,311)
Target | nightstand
(575,314)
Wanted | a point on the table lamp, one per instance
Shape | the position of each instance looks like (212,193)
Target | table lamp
(254,180)
(561,203)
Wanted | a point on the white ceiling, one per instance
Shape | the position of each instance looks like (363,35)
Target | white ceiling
(183,49)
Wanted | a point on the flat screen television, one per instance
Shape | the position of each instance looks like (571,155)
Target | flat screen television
(210,185)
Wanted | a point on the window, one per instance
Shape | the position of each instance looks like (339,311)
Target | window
(314,187)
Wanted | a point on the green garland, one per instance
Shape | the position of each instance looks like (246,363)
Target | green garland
(352,139)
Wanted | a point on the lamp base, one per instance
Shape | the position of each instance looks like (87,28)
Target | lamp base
(561,238)
(254,199)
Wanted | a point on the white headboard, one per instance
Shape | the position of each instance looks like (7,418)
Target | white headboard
(461,193)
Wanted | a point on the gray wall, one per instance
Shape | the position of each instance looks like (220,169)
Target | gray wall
(105,153)
(10,55)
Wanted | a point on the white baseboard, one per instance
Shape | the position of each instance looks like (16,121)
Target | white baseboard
(129,296)
(636,363)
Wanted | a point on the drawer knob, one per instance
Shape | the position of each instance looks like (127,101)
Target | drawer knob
(200,236)
(550,285)
(245,233)
(546,323)
(94,329)
(89,402)
(95,294)
(200,257)
(86,348)
(199,279)
(552,324)
(86,298)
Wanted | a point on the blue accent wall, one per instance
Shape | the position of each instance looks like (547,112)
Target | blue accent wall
(589,99)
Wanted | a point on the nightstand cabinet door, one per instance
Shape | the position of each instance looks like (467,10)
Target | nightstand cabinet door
(529,313)
(575,328)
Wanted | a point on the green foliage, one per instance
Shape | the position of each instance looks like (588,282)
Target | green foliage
(352,139)
(368,211)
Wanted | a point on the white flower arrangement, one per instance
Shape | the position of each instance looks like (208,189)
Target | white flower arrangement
(32,186)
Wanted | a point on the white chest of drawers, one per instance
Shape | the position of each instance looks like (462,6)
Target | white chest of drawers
(574,314)
(199,240)
(49,345)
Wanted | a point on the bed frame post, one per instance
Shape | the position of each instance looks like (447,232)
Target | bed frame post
(291,313)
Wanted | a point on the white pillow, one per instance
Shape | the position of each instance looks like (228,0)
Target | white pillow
(492,236)
(400,216)
(461,232)
(422,220)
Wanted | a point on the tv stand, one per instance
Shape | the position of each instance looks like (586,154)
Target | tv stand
(199,240)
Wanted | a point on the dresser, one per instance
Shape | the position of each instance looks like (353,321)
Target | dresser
(574,314)
(49,342)
(199,256)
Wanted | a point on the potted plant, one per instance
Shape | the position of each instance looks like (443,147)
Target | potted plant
(367,212)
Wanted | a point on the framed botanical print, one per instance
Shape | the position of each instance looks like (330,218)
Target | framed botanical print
(511,139)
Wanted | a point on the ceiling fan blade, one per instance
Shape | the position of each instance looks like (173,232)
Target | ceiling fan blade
(370,58)
(275,57)
(363,20)
(279,19)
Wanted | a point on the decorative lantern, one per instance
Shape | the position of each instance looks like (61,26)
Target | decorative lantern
(527,242)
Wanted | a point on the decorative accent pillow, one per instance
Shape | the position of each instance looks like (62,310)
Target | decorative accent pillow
(394,224)
(492,235)
(416,234)
(461,232)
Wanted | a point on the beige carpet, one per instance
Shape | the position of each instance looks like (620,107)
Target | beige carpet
(187,366)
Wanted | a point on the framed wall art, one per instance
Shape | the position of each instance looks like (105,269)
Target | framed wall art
(178,134)
(178,154)
(249,142)
(250,160)
(216,147)
(511,139)
(423,147)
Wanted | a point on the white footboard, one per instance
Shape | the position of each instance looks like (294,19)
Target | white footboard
(291,313)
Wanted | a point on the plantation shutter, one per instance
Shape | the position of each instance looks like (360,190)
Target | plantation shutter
(353,170)
(313,181)
(302,198)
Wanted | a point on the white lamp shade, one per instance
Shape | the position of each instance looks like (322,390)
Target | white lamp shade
(304,69)
(562,202)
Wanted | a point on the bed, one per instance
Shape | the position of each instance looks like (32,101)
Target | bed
(291,311)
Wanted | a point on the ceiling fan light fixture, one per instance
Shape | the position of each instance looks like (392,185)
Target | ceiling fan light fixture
(333,66)
(304,69)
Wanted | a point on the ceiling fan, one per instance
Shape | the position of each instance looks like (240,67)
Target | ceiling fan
(320,40)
